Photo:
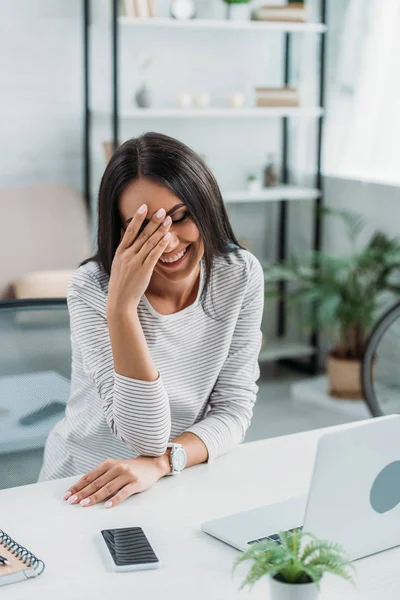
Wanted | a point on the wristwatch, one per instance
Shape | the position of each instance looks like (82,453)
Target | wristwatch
(177,458)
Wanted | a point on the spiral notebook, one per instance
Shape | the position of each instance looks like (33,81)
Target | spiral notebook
(21,563)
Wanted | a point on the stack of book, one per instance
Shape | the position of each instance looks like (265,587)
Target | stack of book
(284,96)
(141,9)
(296,11)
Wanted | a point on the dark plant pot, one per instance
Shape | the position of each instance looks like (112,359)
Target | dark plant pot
(293,591)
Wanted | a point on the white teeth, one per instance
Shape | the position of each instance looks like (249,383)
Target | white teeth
(174,258)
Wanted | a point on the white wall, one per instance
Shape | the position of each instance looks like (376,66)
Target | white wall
(40,92)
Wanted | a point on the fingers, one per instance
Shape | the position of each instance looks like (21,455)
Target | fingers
(133,228)
(99,489)
(88,479)
(122,495)
(156,252)
(152,232)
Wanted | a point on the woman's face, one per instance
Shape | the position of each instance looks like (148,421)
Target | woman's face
(184,232)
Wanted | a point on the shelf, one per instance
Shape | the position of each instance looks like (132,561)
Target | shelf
(220,113)
(224,25)
(277,349)
(272,194)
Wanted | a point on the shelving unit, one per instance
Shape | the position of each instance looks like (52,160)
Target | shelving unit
(218,113)
(306,355)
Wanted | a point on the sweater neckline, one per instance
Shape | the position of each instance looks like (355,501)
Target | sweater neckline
(180,313)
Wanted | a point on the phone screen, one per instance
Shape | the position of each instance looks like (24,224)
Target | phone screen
(129,546)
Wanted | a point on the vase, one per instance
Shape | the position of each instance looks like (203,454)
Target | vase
(143,96)
(293,591)
(239,11)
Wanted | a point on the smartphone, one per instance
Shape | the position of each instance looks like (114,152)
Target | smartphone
(129,549)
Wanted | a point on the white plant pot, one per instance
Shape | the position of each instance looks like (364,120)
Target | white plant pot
(293,591)
(254,186)
(239,12)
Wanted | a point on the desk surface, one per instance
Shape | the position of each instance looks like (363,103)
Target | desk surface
(195,565)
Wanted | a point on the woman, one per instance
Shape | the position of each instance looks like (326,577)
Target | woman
(165,329)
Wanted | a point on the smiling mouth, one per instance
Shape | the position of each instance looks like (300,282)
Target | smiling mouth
(176,259)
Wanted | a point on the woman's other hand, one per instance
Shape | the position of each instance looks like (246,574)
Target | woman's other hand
(116,476)
(136,256)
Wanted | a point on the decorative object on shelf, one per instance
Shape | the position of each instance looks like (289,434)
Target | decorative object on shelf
(139,9)
(253,183)
(108,150)
(184,100)
(142,96)
(202,99)
(342,296)
(294,11)
(236,99)
(182,9)
(271,177)
(283,96)
(295,564)
(238,10)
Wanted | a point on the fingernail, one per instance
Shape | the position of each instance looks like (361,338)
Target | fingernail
(108,504)
(167,236)
(66,495)
(85,502)
(160,213)
(167,221)
(142,209)
(73,499)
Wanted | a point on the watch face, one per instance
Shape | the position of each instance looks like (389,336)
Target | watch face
(178,459)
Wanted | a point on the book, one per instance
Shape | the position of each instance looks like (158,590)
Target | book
(127,8)
(16,562)
(290,12)
(283,96)
(141,9)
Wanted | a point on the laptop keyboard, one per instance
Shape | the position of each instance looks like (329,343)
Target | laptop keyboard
(274,537)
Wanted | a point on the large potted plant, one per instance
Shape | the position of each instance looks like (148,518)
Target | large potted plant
(295,564)
(238,10)
(341,296)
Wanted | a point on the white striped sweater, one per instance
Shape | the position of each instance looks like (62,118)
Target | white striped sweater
(207,360)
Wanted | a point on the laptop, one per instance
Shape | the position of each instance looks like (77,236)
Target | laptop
(354,496)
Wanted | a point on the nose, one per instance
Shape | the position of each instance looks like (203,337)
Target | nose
(173,243)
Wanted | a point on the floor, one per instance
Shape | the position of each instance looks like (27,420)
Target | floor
(275,414)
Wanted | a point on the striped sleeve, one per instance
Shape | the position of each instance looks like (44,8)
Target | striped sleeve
(233,397)
(137,412)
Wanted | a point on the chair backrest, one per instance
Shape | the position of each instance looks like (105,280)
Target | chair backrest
(42,227)
(35,373)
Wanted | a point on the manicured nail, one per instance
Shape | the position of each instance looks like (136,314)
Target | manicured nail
(108,504)
(66,495)
(160,213)
(167,221)
(85,502)
(73,499)
(167,236)
(142,209)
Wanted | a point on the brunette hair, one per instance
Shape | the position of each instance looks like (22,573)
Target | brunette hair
(171,163)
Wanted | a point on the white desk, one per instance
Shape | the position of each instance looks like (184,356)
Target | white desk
(195,566)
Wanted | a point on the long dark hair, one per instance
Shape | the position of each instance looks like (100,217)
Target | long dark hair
(171,163)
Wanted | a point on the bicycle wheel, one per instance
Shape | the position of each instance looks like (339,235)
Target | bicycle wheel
(380,371)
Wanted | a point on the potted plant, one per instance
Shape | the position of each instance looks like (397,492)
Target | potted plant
(238,10)
(341,295)
(295,564)
(253,183)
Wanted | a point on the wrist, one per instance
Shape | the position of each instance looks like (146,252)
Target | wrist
(163,464)
(121,312)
